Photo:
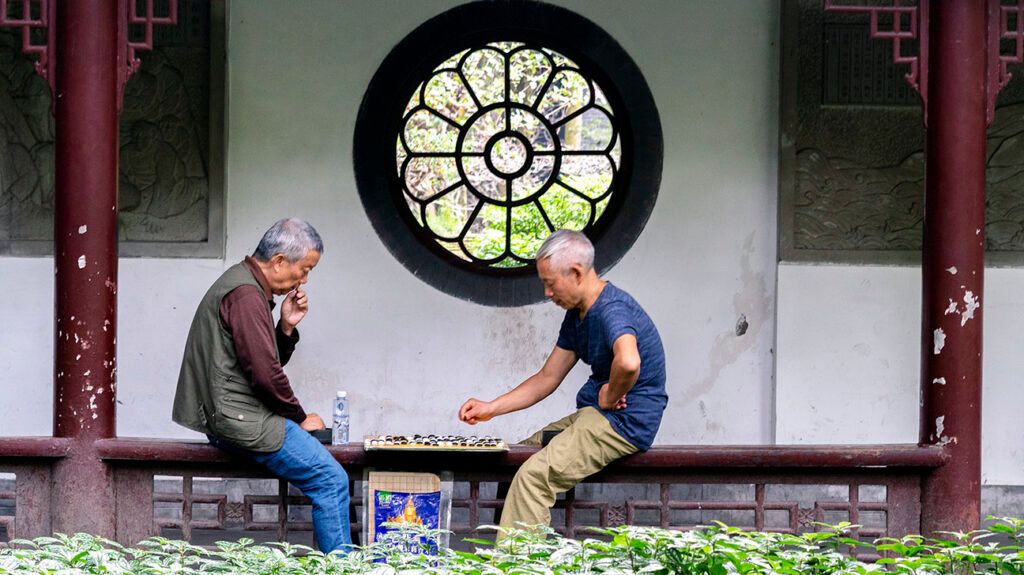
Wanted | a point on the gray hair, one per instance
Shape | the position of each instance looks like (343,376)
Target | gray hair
(565,248)
(290,237)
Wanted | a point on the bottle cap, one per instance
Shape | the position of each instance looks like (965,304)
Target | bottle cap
(342,394)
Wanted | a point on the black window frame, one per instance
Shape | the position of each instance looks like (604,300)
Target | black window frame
(413,59)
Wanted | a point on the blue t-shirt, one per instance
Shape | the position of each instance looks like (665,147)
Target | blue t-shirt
(616,313)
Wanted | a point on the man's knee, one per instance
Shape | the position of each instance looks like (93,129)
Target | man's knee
(534,472)
(331,476)
(340,478)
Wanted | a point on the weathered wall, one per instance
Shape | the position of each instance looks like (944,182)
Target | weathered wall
(408,354)
(848,366)
(849,347)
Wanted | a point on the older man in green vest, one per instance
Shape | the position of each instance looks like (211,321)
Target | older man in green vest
(232,384)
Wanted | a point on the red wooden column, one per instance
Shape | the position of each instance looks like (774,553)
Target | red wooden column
(953,261)
(85,259)
(959,71)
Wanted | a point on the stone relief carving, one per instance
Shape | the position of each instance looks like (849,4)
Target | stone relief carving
(164,163)
(164,173)
(842,204)
(26,146)
(854,183)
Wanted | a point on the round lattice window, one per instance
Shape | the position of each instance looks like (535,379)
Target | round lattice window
(475,142)
(502,145)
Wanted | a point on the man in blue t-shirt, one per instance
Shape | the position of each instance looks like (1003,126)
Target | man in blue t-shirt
(618,410)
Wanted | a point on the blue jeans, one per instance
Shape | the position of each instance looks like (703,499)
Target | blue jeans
(305,463)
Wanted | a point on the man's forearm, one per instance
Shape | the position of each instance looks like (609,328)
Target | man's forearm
(526,394)
(286,342)
(272,387)
(621,380)
(257,347)
(285,406)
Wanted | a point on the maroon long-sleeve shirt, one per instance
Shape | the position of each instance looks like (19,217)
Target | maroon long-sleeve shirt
(243,313)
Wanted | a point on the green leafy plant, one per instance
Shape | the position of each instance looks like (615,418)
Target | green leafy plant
(709,550)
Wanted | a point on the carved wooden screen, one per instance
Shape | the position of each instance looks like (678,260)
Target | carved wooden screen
(170,184)
(852,165)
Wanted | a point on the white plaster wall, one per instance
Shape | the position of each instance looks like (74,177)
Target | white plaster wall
(849,360)
(1002,448)
(153,323)
(408,354)
(849,345)
(26,347)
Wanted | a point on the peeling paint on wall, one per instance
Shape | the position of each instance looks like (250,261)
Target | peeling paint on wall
(970,304)
(952,308)
(940,427)
(940,341)
(939,380)
(951,270)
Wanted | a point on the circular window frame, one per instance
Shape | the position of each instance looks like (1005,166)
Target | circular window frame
(413,60)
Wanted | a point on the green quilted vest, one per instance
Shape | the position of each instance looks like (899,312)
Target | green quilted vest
(214,397)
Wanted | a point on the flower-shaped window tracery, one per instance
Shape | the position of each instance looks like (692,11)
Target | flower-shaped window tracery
(502,145)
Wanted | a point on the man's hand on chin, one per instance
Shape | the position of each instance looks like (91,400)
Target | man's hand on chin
(312,423)
(293,309)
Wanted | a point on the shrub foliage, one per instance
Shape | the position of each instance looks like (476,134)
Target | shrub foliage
(711,550)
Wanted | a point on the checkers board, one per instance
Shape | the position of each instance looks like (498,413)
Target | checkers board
(471,444)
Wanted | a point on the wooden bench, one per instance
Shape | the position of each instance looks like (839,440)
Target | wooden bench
(662,472)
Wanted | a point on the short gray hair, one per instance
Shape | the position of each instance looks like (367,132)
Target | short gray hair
(291,237)
(565,248)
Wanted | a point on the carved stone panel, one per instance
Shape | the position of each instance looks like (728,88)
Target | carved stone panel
(852,161)
(170,166)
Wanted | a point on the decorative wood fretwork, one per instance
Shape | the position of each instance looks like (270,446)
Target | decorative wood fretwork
(31,15)
(170,168)
(25,486)
(7,508)
(852,157)
(147,20)
(478,502)
(680,506)
(1005,23)
(226,514)
(910,23)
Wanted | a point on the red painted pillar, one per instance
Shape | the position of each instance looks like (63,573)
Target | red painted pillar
(85,260)
(953,262)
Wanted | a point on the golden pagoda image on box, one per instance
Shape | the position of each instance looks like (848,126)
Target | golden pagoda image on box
(403,499)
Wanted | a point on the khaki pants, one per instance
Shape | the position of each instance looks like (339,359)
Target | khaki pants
(586,444)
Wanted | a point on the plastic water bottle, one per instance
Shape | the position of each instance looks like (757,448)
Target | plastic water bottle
(339,433)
